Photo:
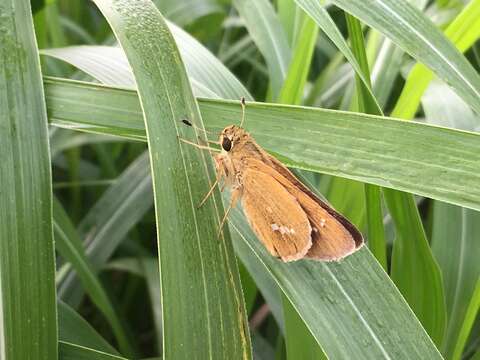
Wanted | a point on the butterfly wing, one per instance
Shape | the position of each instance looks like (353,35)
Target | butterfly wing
(275,216)
(333,236)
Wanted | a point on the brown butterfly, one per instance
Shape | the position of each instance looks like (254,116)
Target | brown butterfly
(289,219)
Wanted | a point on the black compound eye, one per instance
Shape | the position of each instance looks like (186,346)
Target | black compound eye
(226,143)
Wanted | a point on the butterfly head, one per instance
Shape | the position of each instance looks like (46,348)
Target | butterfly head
(231,137)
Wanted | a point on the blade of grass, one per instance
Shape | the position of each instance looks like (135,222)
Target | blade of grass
(323,19)
(406,156)
(69,246)
(268,34)
(74,329)
(462,32)
(147,268)
(470,317)
(367,103)
(413,269)
(294,84)
(201,294)
(455,245)
(454,230)
(69,351)
(299,342)
(287,14)
(28,319)
(419,280)
(108,64)
(411,30)
(107,223)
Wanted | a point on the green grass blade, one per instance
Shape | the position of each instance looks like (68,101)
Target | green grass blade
(108,64)
(299,342)
(265,283)
(462,32)
(411,30)
(287,14)
(401,155)
(107,223)
(455,245)
(323,19)
(368,104)
(28,319)
(268,34)
(470,318)
(454,230)
(74,329)
(385,70)
(201,294)
(69,351)
(67,243)
(414,270)
(294,85)
(147,268)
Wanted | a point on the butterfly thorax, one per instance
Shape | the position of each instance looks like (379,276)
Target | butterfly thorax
(237,147)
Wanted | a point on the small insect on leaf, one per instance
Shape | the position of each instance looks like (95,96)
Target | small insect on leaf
(186,122)
(289,219)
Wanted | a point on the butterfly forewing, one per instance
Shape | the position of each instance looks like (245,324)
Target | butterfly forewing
(275,216)
(331,239)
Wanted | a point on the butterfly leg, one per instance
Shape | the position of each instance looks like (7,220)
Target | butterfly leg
(203,147)
(210,191)
(236,192)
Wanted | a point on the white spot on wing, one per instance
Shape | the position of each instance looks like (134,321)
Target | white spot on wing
(275,227)
(322,222)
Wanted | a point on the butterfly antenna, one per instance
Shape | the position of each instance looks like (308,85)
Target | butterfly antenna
(242,101)
(188,123)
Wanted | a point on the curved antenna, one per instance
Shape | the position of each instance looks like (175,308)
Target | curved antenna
(242,102)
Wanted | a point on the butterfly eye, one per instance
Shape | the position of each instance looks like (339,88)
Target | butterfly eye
(226,144)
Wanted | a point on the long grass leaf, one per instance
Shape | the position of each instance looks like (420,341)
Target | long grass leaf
(463,32)
(201,295)
(108,64)
(368,104)
(74,329)
(328,26)
(294,84)
(69,351)
(28,319)
(411,30)
(408,156)
(266,30)
(454,229)
(67,241)
(455,245)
